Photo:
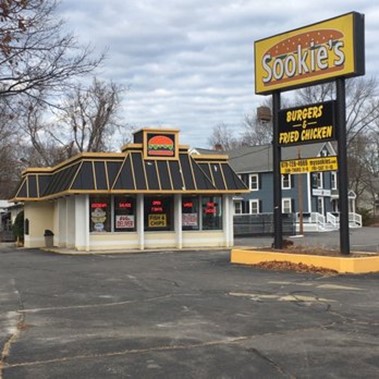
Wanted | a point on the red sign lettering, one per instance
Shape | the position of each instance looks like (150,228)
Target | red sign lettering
(99,205)
(156,209)
(125,205)
(210,211)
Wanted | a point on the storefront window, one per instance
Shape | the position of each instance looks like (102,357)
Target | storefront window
(211,212)
(158,213)
(100,214)
(190,213)
(124,214)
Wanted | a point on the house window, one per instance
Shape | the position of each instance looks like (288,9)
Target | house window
(333,179)
(254,206)
(254,182)
(317,180)
(324,152)
(190,213)
(124,214)
(286,181)
(211,212)
(287,205)
(237,207)
(100,214)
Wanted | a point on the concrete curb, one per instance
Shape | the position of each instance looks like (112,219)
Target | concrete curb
(66,251)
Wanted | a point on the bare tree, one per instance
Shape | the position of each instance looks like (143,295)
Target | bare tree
(222,138)
(257,130)
(359,173)
(362,103)
(362,128)
(315,94)
(86,121)
(363,165)
(36,56)
(91,115)
(38,64)
(9,167)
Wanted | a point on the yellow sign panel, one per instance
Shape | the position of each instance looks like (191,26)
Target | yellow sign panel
(157,220)
(307,124)
(300,166)
(314,53)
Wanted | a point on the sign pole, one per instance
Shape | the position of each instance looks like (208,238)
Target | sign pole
(342,168)
(278,228)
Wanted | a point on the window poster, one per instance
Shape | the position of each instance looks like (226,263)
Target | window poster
(189,219)
(124,222)
(158,220)
(99,216)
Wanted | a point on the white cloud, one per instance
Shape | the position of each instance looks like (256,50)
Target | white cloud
(189,63)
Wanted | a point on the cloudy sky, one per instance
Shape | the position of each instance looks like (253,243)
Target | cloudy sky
(189,63)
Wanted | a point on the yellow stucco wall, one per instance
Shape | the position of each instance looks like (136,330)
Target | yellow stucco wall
(103,241)
(160,239)
(213,238)
(41,217)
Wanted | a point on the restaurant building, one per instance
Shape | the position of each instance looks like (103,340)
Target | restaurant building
(152,194)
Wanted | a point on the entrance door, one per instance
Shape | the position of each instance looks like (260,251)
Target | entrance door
(335,207)
(320,205)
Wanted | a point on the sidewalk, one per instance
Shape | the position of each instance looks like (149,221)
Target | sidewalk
(361,239)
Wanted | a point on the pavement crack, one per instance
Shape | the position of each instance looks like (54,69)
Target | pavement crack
(97,305)
(14,332)
(271,362)
(130,351)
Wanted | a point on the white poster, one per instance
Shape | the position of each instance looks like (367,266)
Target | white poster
(189,219)
(124,221)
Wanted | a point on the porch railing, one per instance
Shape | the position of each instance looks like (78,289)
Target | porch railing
(355,220)
(333,219)
(313,218)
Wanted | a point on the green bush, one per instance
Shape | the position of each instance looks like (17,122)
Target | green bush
(18,227)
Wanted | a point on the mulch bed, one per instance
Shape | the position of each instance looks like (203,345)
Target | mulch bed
(297,267)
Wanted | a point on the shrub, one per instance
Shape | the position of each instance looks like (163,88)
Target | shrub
(18,227)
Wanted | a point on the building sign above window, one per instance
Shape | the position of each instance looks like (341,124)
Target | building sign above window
(310,54)
(160,145)
(321,192)
(307,124)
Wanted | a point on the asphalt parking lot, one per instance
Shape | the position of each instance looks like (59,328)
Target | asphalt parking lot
(181,315)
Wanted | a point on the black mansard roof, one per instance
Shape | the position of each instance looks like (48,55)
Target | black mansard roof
(130,172)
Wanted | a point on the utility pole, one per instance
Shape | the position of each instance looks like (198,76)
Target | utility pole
(300,196)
